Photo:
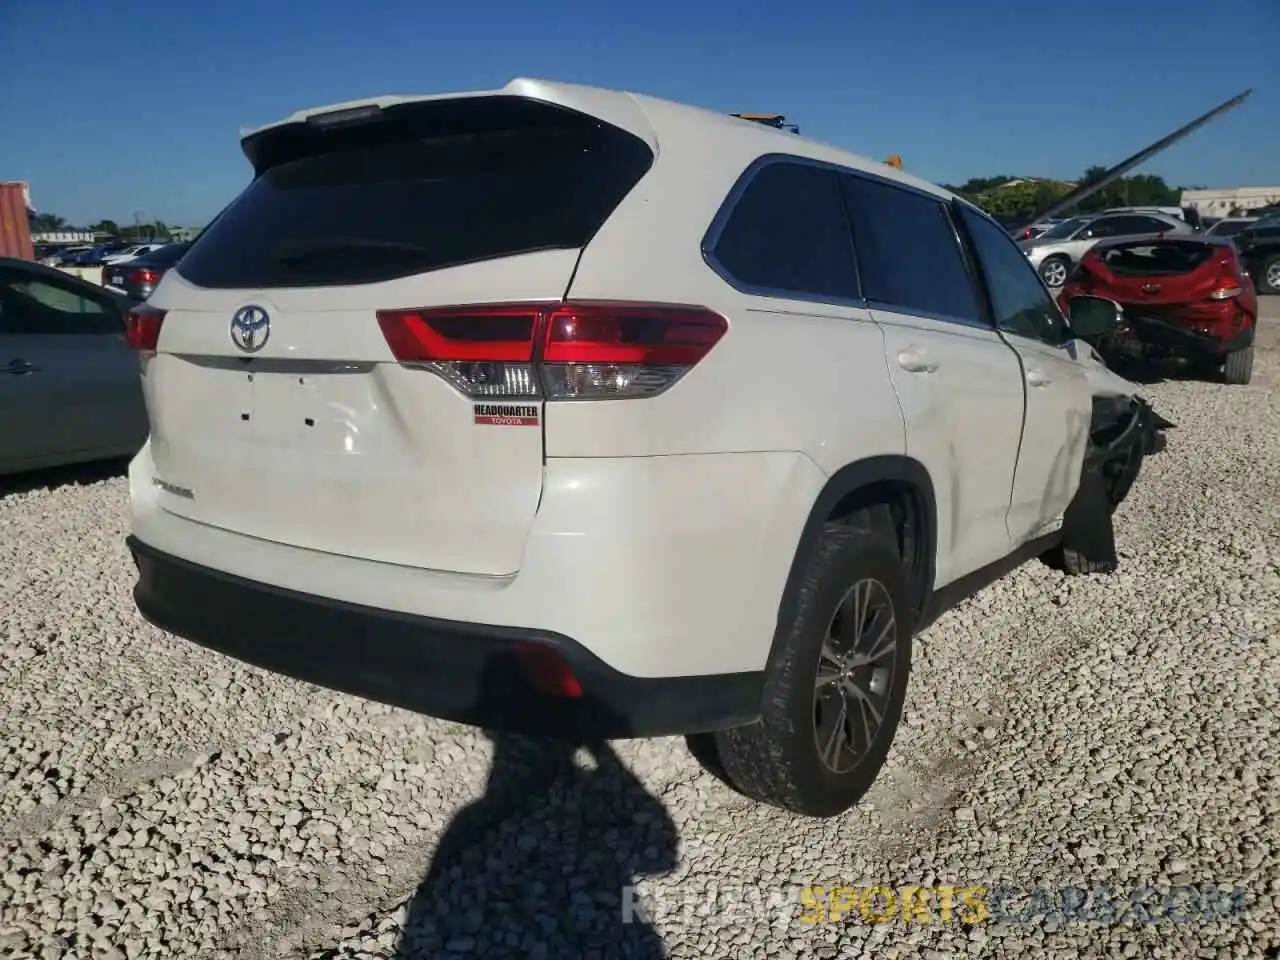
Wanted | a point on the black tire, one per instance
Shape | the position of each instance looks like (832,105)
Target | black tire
(777,760)
(1075,564)
(1056,264)
(1239,366)
(1268,270)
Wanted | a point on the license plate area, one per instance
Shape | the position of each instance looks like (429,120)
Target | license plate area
(313,409)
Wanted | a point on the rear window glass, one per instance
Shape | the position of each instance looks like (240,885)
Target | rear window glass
(422,187)
(787,234)
(1155,259)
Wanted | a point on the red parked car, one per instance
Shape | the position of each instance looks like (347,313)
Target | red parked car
(1183,296)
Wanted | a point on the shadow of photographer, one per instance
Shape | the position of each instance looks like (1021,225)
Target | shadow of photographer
(543,864)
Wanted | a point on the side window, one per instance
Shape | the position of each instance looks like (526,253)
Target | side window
(1021,303)
(788,233)
(1105,227)
(908,255)
(30,304)
(1151,225)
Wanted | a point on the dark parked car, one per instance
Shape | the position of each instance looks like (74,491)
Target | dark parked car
(1184,296)
(137,279)
(1259,246)
(93,257)
(70,387)
(1229,226)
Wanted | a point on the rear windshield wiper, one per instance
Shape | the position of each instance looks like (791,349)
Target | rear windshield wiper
(301,251)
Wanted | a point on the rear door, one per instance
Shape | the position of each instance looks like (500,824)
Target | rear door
(1058,400)
(958,383)
(278,407)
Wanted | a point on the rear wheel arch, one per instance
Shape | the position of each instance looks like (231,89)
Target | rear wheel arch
(897,494)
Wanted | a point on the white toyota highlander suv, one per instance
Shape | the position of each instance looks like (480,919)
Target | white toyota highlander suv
(581,413)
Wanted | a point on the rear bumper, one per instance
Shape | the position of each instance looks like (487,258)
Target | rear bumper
(659,566)
(1169,336)
(489,676)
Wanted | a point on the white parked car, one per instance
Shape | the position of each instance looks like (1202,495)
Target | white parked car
(1056,251)
(133,252)
(583,413)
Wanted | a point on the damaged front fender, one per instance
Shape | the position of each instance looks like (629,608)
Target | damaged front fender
(1119,424)
(1123,431)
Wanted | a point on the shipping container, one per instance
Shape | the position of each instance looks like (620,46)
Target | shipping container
(15,231)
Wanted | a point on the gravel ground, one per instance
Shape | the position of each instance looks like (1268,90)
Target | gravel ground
(1119,732)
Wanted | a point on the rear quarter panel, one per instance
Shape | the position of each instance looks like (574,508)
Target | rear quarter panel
(789,375)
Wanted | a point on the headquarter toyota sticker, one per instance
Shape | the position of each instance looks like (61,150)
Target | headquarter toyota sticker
(506,415)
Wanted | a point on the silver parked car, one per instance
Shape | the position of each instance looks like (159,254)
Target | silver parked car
(70,387)
(1055,252)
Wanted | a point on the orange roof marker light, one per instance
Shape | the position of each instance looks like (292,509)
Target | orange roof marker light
(895,161)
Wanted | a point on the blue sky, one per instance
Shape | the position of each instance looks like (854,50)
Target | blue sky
(111,108)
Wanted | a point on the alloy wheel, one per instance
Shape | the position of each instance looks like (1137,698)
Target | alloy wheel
(855,675)
(1054,273)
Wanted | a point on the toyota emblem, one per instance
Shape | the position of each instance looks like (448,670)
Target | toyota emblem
(250,328)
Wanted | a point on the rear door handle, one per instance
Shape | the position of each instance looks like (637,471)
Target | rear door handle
(1038,378)
(915,360)
(18,366)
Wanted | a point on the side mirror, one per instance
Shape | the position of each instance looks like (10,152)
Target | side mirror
(1093,316)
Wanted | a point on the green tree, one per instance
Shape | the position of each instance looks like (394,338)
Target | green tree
(1021,201)
(47,223)
(106,226)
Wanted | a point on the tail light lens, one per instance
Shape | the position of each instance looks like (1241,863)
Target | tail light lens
(145,277)
(142,331)
(484,351)
(1230,282)
(564,351)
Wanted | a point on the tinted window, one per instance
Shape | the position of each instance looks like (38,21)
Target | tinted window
(1021,303)
(1228,228)
(1064,230)
(1144,258)
(1128,226)
(908,255)
(422,186)
(787,232)
(30,304)
(1152,225)
(1105,227)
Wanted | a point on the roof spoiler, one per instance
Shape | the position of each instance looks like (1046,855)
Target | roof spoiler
(1084,191)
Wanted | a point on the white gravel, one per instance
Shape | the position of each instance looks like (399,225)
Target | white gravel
(157,800)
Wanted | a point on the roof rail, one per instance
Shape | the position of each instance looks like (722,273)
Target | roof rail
(776,120)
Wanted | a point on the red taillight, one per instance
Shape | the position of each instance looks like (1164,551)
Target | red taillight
(143,328)
(144,276)
(580,351)
(547,671)
(503,334)
(1230,282)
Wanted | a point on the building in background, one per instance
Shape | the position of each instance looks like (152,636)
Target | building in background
(64,237)
(1225,202)
(15,221)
